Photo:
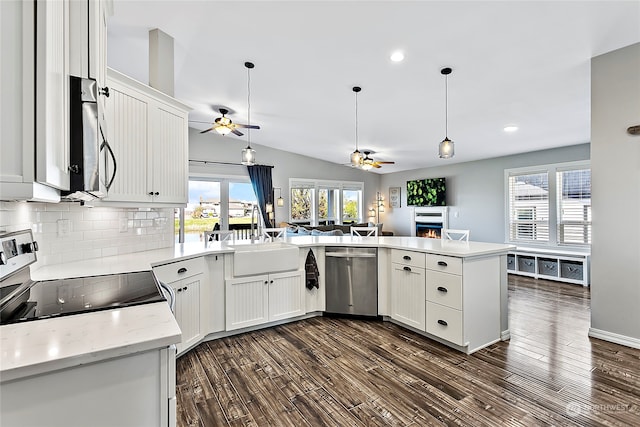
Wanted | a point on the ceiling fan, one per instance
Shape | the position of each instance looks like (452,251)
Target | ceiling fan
(224,125)
(367,162)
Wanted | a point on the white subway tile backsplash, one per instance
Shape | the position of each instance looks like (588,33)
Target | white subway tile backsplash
(89,232)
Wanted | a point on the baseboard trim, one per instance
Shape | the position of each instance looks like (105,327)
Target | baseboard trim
(505,335)
(614,338)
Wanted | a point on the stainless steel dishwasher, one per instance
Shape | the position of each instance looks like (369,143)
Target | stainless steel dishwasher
(351,280)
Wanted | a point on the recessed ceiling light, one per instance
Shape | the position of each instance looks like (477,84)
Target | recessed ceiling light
(397,56)
(510,128)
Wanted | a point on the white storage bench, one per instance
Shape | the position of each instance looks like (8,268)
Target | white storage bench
(551,264)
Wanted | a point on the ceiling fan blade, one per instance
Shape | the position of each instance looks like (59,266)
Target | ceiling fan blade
(376,165)
(386,163)
(198,121)
(247,126)
(236,132)
(208,130)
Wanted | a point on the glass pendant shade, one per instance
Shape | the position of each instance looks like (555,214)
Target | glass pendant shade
(446,149)
(248,156)
(356,158)
(280,202)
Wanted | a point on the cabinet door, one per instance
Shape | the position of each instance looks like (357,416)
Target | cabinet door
(246,301)
(408,295)
(286,295)
(215,305)
(188,310)
(167,153)
(127,124)
(52,93)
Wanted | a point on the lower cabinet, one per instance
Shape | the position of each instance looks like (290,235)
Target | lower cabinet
(254,300)
(187,280)
(408,288)
(188,309)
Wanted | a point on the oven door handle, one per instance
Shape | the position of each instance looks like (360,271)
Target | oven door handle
(170,295)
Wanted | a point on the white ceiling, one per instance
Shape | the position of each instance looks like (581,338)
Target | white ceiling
(519,62)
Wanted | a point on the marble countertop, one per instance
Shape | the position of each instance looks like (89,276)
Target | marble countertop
(41,346)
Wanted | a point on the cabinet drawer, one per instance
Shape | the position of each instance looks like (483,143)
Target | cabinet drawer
(444,289)
(451,265)
(415,259)
(169,273)
(445,322)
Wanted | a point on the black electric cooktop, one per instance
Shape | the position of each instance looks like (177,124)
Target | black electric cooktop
(52,298)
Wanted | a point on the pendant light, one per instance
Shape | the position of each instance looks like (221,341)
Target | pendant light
(446,148)
(356,156)
(249,154)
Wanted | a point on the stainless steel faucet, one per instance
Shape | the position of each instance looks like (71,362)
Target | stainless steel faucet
(254,237)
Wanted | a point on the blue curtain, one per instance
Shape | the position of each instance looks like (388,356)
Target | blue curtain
(260,176)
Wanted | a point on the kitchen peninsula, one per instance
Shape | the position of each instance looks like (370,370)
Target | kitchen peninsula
(456,294)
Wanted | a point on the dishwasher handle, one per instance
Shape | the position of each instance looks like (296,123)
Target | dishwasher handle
(349,255)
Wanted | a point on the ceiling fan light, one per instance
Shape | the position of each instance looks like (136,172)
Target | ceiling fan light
(248,156)
(367,166)
(356,158)
(222,130)
(446,149)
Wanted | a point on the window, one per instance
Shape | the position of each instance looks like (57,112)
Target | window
(351,201)
(328,202)
(317,202)
(302,202)
(534,193)
(215,202)
(574,206)
(529,207)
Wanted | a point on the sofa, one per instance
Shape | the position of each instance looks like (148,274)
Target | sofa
(328,230)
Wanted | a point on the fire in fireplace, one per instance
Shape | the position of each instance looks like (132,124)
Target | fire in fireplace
(432,231)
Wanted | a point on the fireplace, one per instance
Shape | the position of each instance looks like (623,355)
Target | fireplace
(429,221)
(432,231)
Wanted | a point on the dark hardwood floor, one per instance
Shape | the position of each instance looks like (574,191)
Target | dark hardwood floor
(343,372)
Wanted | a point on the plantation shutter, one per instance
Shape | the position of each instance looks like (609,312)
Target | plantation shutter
(574,206)
(529,207)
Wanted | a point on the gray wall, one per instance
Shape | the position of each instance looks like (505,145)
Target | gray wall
(615,166)
(475,191)
(210,146)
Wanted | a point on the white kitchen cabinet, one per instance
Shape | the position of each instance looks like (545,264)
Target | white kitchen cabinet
(148,132)
(215,309)
(463,300)
(408,288)
(315,300)
(187,280)
(34,102)
(132,390)
(88,39)
(52,93)
(255,300)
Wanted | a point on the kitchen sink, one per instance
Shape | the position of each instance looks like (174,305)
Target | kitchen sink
(261,258)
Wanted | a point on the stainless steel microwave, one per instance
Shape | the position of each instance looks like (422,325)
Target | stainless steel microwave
(92,162)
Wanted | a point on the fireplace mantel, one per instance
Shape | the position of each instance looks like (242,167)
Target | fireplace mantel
(435,217)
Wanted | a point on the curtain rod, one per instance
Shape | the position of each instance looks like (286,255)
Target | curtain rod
(222,163)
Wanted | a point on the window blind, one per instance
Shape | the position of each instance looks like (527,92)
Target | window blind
(574,206)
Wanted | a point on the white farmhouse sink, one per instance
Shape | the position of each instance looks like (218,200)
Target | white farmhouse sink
(260,258)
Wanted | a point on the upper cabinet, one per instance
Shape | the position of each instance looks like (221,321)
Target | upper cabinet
(43,42)
(88,40)
(34,82)
(148,131)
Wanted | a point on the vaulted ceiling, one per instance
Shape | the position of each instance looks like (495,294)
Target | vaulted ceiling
(522,63)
